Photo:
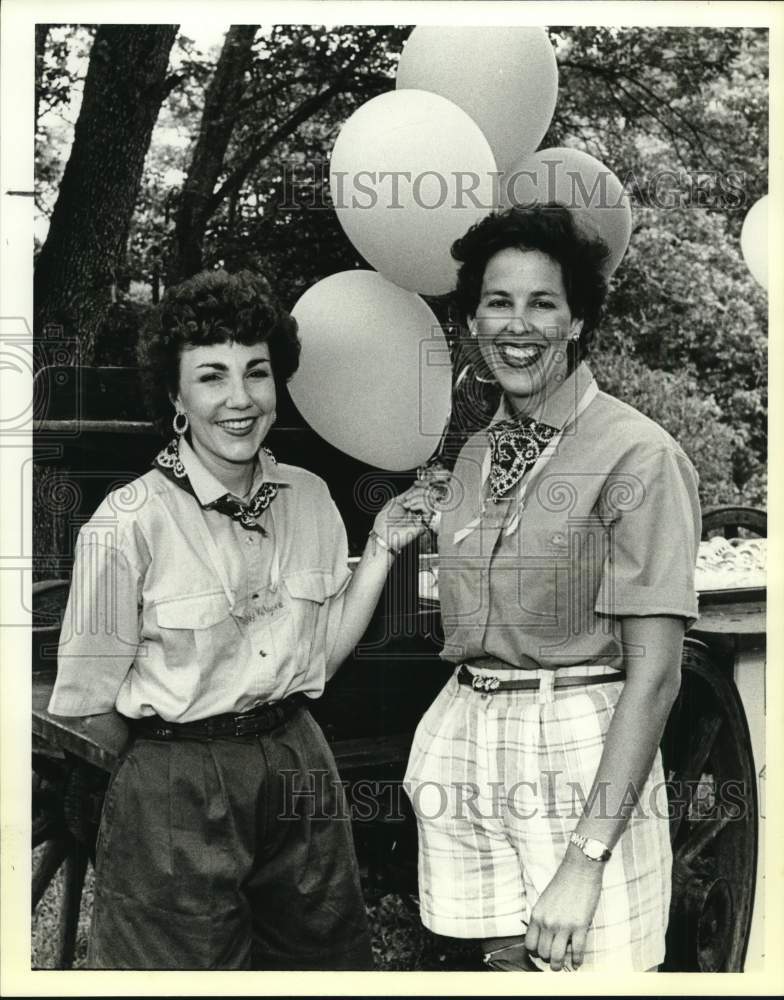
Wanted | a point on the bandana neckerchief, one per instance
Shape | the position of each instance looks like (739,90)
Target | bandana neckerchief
(168,462)
(515,446)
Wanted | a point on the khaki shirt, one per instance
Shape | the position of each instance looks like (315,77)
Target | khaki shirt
(178,611)
(606,524)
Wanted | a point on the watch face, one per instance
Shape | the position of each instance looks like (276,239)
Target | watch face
(596,850)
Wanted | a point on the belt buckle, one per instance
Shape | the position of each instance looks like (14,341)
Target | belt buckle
(487,684)
(246,726)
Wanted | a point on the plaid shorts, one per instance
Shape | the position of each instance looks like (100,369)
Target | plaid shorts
(498,783)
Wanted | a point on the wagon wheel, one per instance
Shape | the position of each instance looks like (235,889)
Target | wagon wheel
(65,798)
(713,826)
(729,522)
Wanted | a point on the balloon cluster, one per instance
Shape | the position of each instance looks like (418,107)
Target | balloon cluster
(410,172)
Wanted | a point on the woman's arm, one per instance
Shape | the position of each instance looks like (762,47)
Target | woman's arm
(564,911)
(400,522)
(109,730)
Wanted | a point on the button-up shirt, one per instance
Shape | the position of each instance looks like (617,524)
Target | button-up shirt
(606,524)
(179,611)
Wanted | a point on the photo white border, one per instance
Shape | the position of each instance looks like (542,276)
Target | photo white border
(16,251)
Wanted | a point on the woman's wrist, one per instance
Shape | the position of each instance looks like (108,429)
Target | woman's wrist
(377,541)
(577,864)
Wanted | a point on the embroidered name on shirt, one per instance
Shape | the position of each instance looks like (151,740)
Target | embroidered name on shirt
(261,610)
(268,609)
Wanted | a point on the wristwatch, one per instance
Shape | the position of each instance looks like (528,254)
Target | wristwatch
(594,850)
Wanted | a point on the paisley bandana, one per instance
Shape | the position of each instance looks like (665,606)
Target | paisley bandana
(168,461)
(515,447)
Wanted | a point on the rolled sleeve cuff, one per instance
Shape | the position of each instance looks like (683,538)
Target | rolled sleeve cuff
(71,698)
(631,599)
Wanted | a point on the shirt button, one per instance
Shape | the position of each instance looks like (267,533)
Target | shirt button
(254,596)
(262,653)
(249,540)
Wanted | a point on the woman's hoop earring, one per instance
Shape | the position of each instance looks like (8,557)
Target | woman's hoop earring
(180,430)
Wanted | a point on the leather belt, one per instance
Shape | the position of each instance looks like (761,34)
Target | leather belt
(263,719)
(489,684)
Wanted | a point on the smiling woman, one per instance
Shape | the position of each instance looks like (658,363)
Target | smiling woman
(202,622)
(566,579)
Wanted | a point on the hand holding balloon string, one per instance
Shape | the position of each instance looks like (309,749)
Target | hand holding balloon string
(409,515)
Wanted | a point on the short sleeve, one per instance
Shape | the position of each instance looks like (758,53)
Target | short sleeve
(100,634)
(653,539)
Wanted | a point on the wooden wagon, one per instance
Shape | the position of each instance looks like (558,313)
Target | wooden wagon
(91,439)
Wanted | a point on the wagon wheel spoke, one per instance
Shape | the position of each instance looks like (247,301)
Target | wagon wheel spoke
(689,774)
(695,765)
(75,871)
(699,841)
(53,856)
(43,830)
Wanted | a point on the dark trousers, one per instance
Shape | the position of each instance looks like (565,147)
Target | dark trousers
(228,854)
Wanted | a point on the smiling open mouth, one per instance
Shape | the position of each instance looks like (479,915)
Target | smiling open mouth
(239,426)
(517,355)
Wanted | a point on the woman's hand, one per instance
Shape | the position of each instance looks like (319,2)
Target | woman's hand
(563,913)
(109,730)
(407,516)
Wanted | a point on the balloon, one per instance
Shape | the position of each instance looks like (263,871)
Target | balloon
(600,205)
(410,172)
(505,78)
(374,378)
(754,241)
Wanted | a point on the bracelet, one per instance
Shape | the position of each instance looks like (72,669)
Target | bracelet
(378,540)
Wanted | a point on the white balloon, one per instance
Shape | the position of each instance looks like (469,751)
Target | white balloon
(596,197)
(409,173)
(754,241)
(504,77)
(375,376)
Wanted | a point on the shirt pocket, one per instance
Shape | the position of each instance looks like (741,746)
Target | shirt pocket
(308,591)
(192,628)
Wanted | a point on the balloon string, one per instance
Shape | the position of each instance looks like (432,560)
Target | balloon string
(442,442)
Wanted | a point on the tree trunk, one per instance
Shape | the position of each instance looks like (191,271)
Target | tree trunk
(221,110)
(125,86)
(41,34)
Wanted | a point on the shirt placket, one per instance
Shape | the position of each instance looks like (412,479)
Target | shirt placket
(257,551)
(494,516)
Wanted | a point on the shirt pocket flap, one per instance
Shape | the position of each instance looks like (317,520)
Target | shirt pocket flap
(312,585)
(200,611)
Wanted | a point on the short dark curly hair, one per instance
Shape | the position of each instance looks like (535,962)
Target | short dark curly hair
(210,308)
(551,229)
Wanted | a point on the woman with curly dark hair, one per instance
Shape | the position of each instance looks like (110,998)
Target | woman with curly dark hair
(566,581)
(203,621)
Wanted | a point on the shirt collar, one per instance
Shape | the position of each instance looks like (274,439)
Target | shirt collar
(557,408)
(208,489)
